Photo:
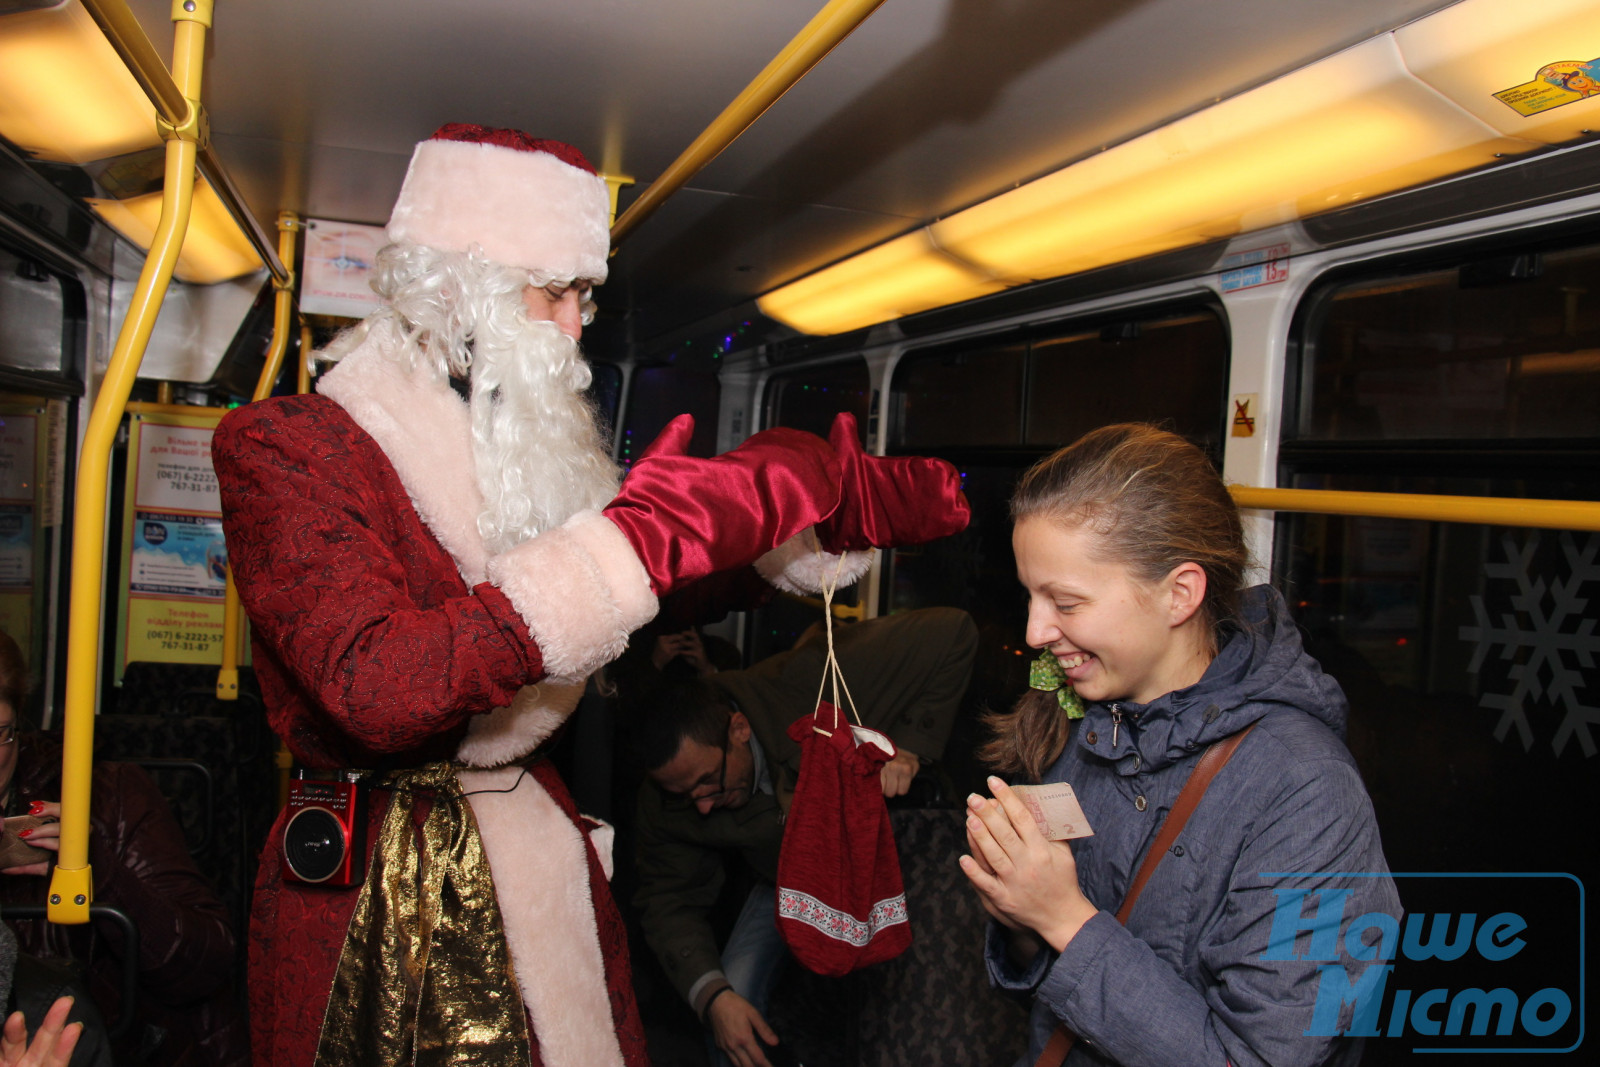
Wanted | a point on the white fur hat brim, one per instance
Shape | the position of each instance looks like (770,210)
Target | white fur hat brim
(522,208)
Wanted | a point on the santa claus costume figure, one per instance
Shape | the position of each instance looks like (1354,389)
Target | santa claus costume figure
(431,579)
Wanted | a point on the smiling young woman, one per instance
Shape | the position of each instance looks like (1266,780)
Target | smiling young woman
(1132,556)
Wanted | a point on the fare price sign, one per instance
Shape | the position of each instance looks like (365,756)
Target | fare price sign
(174,558)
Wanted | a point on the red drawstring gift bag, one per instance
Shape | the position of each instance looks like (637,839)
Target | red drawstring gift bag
(841,902)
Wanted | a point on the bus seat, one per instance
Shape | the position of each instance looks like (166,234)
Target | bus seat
(213,760)
(190,789)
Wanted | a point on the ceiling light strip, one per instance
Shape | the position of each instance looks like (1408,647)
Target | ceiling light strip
(1397,111)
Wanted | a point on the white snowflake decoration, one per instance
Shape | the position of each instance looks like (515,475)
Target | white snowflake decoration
(1556,658)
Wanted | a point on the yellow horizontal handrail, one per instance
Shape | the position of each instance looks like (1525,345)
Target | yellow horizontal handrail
(145,407)
(826,29)
(1426,507)
(128,39)
(217,177)
(852,612)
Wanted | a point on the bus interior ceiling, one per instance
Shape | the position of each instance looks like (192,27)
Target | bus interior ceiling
(1435,335)
(924,110)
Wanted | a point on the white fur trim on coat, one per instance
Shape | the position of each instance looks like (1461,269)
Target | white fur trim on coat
(541,879)
(497,737)
(800,566)
(581,589)
(425,430)
(522,209)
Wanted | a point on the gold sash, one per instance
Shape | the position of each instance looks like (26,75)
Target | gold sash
(425,976)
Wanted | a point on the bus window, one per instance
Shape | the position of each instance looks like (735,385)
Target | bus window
(33,314)
(34,431)
(809,399)
(968,396)
(42,319)
(1170,370)
(1436,383)
(685,385)
(1466,651)
(1505,348)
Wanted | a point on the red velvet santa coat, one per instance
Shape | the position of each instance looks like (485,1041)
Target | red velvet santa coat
(379,643)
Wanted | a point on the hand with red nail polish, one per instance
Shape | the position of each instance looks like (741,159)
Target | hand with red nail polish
(41,835)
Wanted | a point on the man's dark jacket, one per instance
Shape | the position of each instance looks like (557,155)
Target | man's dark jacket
(907,674)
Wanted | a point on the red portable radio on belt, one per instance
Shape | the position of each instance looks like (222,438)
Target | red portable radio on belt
(324,839)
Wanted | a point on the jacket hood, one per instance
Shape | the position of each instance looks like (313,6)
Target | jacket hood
(1262,666)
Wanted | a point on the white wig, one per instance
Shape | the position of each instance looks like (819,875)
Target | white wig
(536,439)
(435,302)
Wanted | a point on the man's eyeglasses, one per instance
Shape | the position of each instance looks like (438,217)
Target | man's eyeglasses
(691,797)
(722,779)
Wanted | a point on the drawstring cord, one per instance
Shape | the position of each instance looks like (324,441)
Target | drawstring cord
(830,669)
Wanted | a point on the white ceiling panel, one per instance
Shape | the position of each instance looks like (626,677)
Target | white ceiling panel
(927,108)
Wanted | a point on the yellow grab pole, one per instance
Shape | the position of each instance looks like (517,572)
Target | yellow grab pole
(283,308)
(282,322)
(72,883)
(303,369)
(831,25)
(228,673)
(1426,507)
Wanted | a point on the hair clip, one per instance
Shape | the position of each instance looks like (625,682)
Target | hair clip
(1045,674)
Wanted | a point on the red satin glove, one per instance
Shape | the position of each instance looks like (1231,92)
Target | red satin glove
(890,500)
(687,517)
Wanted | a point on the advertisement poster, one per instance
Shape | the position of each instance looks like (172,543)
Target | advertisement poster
(338,268)
(175,562)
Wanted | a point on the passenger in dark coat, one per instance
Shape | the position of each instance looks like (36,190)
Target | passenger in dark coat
(1131,553)
(141,864)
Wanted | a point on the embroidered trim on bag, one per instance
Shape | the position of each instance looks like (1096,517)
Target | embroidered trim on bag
(839,925)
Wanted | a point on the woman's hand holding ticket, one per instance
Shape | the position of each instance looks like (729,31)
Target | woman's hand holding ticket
(1022,879)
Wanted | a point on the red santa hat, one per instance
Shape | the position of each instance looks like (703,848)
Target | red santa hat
(524,201)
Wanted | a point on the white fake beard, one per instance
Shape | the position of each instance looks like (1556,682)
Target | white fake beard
(535,439)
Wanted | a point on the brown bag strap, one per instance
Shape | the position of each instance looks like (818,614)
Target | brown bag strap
(1215,758)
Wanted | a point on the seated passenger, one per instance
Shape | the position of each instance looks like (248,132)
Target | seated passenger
(722,773)
(1131,552)
(141,864)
